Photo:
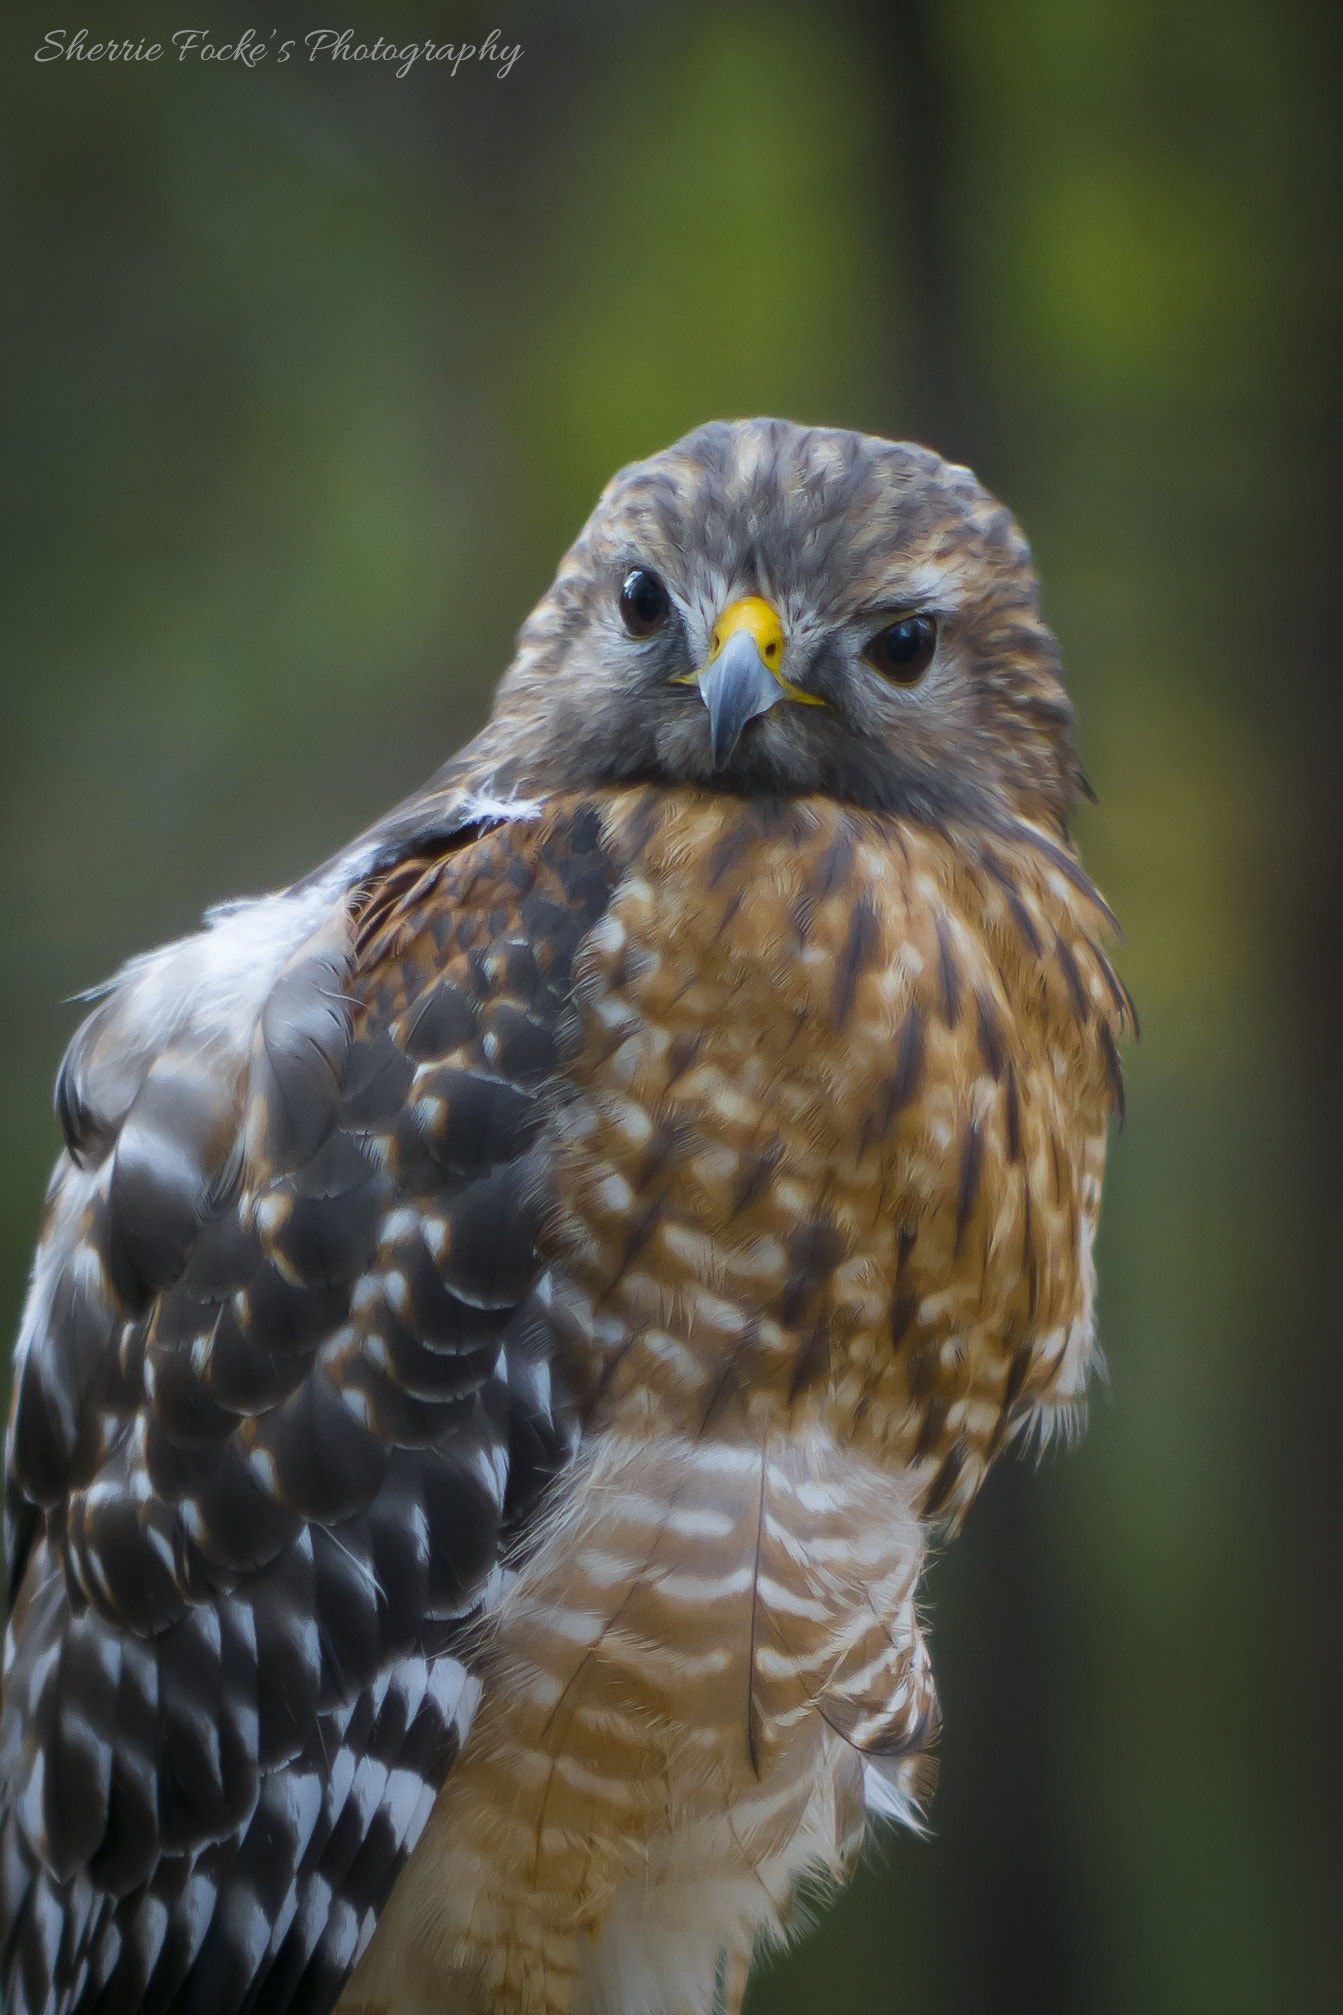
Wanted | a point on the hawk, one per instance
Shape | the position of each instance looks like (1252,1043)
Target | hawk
(514,1306)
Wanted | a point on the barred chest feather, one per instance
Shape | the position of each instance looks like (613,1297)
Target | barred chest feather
(824,1184)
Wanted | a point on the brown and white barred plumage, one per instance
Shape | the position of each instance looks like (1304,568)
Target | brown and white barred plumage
(514,1306)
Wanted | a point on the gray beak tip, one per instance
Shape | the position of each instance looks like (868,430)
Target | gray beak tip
(737,686)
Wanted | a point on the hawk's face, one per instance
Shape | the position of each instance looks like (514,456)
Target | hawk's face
(767,608)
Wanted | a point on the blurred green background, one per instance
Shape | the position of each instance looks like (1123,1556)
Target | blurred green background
(313,373)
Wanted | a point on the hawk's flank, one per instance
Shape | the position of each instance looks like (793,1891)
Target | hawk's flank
(514,1306)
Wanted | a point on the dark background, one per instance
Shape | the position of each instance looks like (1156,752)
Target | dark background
(312,374)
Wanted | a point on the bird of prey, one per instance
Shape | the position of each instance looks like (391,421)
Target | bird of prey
(514,1306)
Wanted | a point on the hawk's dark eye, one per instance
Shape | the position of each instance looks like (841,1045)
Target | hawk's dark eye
(903,651)
(644,603)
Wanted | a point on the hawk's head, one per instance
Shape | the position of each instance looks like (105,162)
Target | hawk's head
(770,608)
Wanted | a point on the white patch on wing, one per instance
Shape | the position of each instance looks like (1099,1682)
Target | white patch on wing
(216,981)
(477,806)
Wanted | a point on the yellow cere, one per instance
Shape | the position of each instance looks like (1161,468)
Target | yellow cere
(755,615)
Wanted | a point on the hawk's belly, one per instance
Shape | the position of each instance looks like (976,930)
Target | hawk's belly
(662,1750)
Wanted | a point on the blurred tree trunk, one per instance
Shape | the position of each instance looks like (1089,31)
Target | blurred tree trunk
(1305,1369)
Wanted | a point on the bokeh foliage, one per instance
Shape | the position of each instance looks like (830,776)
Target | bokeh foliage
(313,373)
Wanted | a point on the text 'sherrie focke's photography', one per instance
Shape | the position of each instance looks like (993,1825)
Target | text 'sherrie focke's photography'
(254,46)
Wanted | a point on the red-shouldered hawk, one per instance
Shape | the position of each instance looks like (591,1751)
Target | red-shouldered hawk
(514,1305)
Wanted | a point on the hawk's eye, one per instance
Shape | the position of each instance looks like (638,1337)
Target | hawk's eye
(644,603)
(903,651)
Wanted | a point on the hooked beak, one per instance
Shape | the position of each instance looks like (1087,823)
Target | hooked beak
(741,676)
(735,687)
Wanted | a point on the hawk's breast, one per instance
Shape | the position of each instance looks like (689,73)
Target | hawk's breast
(835,1145)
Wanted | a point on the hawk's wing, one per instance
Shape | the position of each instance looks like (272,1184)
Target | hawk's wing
(281,1391)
